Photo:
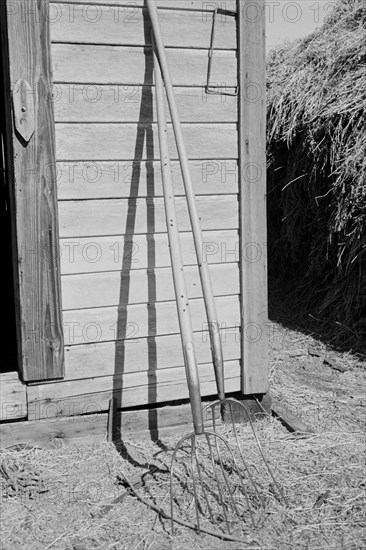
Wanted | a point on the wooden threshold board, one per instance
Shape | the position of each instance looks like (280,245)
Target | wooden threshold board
(13,398)
(115,425)
(145,424)
(290,419)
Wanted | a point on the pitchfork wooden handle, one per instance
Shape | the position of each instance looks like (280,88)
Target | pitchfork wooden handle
(181,294)
(215,338)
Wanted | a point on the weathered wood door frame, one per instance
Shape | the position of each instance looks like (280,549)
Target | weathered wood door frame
(32,173)
(252,196)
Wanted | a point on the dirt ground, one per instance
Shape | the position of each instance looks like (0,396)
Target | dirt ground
(76,499)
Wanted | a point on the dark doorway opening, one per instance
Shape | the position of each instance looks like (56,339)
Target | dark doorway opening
(8,349)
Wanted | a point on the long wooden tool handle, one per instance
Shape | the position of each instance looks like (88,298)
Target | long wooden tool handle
(176,256)
(214,328)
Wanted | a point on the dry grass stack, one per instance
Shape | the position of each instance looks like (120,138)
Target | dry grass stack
(317,170)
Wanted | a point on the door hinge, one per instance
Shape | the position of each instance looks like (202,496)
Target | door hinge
(23,106)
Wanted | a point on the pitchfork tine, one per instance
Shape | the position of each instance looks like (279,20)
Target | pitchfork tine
(203,488)
(218,482)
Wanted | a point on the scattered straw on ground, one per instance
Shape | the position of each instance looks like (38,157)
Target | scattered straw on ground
(76,499)
(323,477)
(320,396)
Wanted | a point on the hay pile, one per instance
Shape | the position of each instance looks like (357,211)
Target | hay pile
(317,169)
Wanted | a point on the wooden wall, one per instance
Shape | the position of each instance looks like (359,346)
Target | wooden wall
(120,322)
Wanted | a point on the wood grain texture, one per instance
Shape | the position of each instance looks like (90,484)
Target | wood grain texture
(93,395)
(23,110)
(131,26)
(100,180)
(140,321)
(253,227)
(116,253)
(124,65)
(136,103)
(142,354)
(13,397)
(35,194)
(140,141)
(74,431)
(289,418)
(65,432)
(155,423)
(110,289)
(139,216)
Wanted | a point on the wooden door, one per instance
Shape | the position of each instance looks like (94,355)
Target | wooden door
(32,172)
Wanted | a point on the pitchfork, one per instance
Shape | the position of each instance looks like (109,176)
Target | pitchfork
(212,438)
(200,435)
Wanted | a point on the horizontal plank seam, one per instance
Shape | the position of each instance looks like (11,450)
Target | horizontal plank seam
(133,45)
(112,390)
(130,4)
(219,196)
(191,300)
(95,308)
(155,200)
(137,339)
(156,338)
(146,269)
(176,161)
(118,270)
(148,124)
(129,159)
(140,84)
(140,46)
(143,124)
(147,197)
(150,235)
(69,237)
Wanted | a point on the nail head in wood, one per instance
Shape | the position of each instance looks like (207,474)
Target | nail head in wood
(23,106)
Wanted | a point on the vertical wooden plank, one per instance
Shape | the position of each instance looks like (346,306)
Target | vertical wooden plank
(253,230)
(34,193)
